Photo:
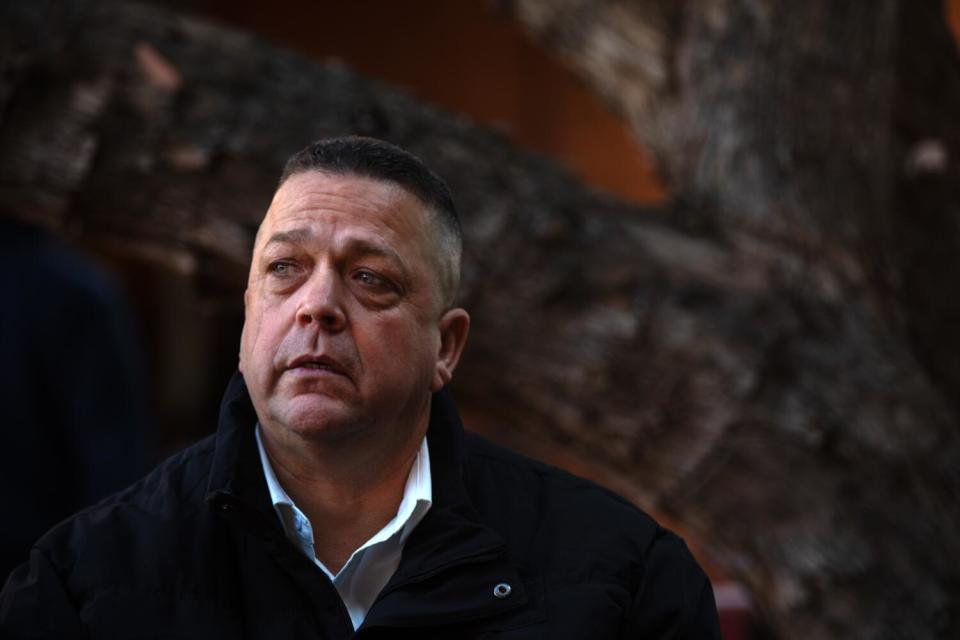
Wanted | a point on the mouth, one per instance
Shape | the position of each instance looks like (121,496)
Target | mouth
(310,364)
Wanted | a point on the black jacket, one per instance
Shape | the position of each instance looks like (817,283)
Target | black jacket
(196,550)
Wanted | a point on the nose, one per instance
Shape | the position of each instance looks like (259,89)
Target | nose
(321,303)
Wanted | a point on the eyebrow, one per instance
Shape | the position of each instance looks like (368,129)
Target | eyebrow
(293,236)
(363,247)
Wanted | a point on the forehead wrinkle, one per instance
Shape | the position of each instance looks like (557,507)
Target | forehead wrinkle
(292,236)
(350,188)
(354,244)
(321,197)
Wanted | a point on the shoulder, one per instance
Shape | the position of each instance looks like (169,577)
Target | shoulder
(488,464)
(154,552)
(590,549)
(525,498)
(79,284)
(137,520)
(176,484)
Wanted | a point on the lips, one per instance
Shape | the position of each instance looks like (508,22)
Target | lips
(316,362)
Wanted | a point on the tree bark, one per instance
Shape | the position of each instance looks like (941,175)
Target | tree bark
(829,128)
(757,360)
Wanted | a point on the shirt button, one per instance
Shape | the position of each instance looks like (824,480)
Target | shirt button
(502,590)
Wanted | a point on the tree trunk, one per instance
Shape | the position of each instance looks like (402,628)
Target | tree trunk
(767,360)
(829,128)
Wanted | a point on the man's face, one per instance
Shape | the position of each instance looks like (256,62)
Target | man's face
(343,329)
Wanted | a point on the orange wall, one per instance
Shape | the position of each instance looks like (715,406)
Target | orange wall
(466,58)
(953,16)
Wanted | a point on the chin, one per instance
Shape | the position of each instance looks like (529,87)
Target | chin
(318,418)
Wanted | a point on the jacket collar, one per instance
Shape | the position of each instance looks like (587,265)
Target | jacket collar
(452,563)
(236,472)
(236,481)
(450,541)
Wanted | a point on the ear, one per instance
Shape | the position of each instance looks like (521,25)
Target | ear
(454,326)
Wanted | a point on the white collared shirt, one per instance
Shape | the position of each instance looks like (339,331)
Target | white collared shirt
(368,569)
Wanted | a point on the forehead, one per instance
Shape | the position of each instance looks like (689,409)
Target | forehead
(347,201)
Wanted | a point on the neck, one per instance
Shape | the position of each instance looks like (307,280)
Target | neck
(348,489)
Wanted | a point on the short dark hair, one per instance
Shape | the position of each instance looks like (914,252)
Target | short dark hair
(380,160)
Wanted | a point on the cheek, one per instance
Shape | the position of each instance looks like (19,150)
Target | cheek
(250,338)
(406,348)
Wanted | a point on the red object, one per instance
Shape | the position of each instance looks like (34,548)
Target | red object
(733,605)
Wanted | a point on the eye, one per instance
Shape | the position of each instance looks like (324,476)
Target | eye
(375,284)
(281,268)
(371,279)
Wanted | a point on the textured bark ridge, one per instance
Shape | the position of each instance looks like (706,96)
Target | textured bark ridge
(769,359)
(828,130)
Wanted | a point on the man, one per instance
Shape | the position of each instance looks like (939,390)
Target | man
(63,449)
(340,497)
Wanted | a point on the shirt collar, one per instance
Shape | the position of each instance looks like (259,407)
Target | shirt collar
(417,496)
